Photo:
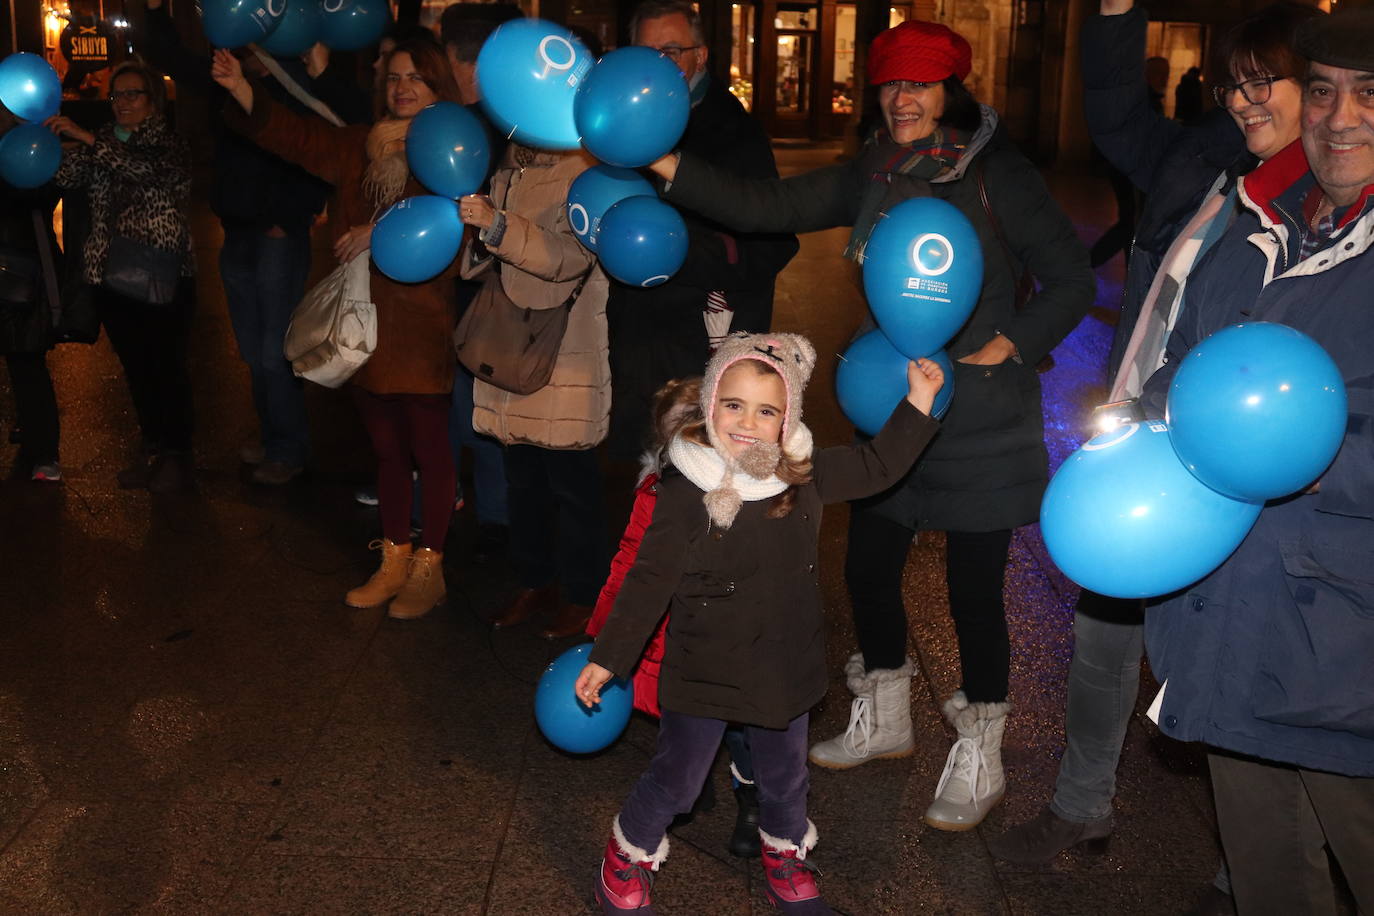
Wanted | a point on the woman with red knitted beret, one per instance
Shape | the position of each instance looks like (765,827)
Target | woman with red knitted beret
(984,474)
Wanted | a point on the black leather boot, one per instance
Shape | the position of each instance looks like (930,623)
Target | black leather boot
(1045,836)
(744,842)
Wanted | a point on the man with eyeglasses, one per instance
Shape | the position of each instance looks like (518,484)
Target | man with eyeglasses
(659,334)
(1269,661)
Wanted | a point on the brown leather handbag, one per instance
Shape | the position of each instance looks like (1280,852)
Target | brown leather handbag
(508,346)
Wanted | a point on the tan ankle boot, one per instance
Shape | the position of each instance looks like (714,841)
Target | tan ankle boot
(386,582)
(424,587)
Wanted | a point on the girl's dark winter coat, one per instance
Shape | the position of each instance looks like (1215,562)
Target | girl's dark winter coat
(746,639)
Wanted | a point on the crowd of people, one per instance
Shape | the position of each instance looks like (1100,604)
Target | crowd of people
(1259,209)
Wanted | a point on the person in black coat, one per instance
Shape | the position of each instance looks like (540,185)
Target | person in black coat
(659,334)
(986,472)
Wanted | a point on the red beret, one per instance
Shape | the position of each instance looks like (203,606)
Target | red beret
(919,52)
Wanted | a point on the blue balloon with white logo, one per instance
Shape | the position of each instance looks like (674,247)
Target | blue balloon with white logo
(529,71)
(351,25)
(923,274)
(1123,517)
(642,241)
(417,238)
(632,107)
(448,149)
(561,714)
(235,23)
(29,87)
(1257,410)
(597,190)
(29,155)
(870,380)
(300,27)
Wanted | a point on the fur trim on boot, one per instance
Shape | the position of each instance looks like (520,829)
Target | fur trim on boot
(625,881)
(879,718)
(790,880)
(973,780)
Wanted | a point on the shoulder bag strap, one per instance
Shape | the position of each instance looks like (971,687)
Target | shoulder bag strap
(49,270)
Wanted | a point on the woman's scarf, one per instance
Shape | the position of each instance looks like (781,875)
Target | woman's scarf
(384,182)
(726,485)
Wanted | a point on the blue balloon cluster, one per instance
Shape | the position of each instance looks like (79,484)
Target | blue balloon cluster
(1123,517)
(235,23)
(632,108)
(562,717)
(29,87)
(597,190)
(29,155)
(448,149)
(297,31)
(528,72)
(923,274)
(1257,411)
(351,25)
(417,238)
(871,379)
(642,241)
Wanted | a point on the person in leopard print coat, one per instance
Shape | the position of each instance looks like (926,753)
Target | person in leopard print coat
(137,172)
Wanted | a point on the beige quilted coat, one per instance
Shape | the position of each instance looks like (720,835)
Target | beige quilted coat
(541,263)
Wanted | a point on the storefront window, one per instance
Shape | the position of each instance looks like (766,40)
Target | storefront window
(796,54)
(742,53)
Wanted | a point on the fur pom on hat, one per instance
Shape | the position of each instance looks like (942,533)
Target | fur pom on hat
(791,355)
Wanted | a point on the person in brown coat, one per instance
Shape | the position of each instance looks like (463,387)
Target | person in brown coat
(550,435)
(402,391)
(732,553)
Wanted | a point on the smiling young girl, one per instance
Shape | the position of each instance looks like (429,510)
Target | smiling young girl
(732,552)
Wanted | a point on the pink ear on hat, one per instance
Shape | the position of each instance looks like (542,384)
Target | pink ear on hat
(918,52)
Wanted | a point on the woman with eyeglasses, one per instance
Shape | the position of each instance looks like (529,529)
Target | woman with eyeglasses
(138,257)
(402,392)
(1189,174)
(985,474)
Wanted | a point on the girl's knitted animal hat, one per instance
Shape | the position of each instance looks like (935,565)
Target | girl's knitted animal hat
(793,358)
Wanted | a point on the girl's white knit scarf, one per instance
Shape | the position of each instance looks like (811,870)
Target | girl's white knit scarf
(725,486)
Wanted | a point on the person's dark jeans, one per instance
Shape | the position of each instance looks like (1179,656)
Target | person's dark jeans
(557,521)
(151,342)
(35,406)
(264,279)
(975,567)
(488,463)
(686,747)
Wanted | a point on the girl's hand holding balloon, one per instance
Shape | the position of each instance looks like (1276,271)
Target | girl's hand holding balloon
(476,210)
(924,379)
(590,682)
(226,70)
(353,243)
(63,125)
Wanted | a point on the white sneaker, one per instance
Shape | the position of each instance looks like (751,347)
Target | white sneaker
(48,473)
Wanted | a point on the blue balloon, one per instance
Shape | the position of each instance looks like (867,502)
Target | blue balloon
(417,238)
(633,107)
(448,149)
(563,719)
(923,274)
(871,379)
(351,25)
(29,155)
(1123,517)
(29,87)
(1257,410)
(528,72)
(300,27)
(597,190)
(642,241)
(235,23)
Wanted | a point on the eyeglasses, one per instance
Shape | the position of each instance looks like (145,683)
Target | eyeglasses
(128,95)
(675,52)
(1256,91)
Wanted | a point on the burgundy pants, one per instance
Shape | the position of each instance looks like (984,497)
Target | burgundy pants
(410,432)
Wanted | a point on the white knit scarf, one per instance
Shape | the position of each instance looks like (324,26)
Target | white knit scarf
(725,487)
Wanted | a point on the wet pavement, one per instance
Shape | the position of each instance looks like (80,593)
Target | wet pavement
(192,721)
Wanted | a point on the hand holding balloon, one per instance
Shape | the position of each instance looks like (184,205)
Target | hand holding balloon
(476,210)
(226,70)
(65,126)
(353,243)
(924,379)
(590,682)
